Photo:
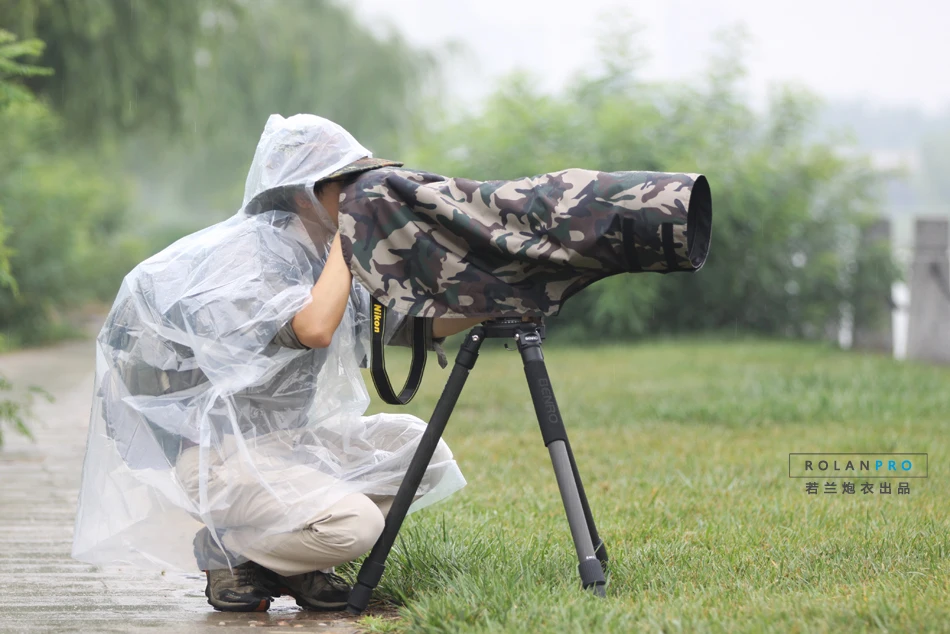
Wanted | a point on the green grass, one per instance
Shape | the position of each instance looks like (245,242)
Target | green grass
(684,447)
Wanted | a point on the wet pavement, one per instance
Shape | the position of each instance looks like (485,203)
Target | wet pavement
(42,589)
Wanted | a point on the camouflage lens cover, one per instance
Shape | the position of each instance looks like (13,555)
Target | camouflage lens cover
(433,246)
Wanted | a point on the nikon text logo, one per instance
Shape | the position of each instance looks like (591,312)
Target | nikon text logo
(857,465)
(377,318)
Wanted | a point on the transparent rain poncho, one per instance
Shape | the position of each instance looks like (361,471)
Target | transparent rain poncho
(201,417)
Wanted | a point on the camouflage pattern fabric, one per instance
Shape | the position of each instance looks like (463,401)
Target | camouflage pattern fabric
(432,246)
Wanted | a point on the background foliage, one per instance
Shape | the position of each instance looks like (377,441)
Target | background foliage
(140,127)
(269,57)
(118,65)
(12,98)
(787,209)
(144,125)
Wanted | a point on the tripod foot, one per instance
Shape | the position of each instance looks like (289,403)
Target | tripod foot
(592,576)
(359,599)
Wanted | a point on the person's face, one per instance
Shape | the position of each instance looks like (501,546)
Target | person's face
(329,197)
(320,219)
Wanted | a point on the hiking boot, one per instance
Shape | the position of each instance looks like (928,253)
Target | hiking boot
(322,591)
(234,583)
(237,590)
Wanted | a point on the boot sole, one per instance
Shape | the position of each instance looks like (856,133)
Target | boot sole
(320,606)
(276,590)
(263,606)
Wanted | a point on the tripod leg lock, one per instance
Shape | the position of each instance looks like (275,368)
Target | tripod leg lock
(371,573)
(592,576)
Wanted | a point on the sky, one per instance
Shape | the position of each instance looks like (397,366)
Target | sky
(892,54)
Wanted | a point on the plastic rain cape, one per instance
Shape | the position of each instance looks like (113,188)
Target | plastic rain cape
(200,418)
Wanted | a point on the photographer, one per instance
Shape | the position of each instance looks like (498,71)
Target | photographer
(227,424)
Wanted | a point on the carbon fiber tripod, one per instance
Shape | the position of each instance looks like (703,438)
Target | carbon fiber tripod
(591,552)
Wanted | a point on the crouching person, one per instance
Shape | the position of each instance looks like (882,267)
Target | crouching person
(228,428)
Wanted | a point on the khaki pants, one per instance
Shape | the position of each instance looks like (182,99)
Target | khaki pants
(341,533)
(246,491)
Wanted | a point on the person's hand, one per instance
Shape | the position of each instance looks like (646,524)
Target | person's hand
(315,324)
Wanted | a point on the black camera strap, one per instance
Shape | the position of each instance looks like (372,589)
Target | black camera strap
(417,342)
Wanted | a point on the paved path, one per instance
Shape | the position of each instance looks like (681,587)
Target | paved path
(41,587)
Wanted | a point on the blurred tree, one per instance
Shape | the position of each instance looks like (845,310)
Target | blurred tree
(60,216)
(285,57)
(13,412)
(13,93)
(64,218)
(117,64)
(12,68)
(786,209)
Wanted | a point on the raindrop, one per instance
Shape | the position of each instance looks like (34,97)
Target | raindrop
(799,260)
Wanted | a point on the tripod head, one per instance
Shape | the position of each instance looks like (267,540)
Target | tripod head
(511,328)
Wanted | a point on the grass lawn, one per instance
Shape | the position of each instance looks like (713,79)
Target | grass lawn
(683,447)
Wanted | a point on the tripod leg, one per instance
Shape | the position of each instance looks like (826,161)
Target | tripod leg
(555,439)
(375,564)
(600,549)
